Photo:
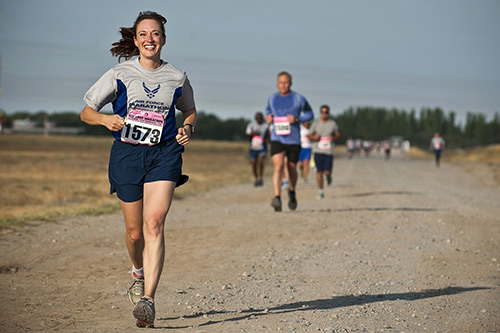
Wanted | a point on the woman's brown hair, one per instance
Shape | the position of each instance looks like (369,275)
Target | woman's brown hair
(125,47)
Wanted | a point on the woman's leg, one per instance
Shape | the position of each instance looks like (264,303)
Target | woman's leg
(134,239)
(157,199)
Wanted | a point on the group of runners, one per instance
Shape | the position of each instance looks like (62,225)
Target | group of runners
(358,146)
(293,136)
(145,163)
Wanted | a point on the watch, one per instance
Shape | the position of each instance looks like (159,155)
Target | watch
(190,125)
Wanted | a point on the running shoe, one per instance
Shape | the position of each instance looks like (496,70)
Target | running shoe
(258,182)
(292,201)
(136,290)
(276,204)
(320,195)
(144,312)
(329,179)
(285,184)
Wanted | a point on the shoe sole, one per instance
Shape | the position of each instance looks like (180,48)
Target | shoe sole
(144,316)
(276,205)
(142,324)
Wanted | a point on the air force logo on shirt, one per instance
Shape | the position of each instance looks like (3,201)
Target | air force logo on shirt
(150,93)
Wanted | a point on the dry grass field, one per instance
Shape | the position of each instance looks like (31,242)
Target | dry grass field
(49,177)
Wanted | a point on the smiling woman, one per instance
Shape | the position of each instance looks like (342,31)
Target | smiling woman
(145,164)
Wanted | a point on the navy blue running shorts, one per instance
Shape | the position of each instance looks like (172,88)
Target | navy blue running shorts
(323,162)
(130,166)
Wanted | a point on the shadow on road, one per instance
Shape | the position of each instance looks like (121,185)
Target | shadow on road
(327,304)
(367,209)
(367,194)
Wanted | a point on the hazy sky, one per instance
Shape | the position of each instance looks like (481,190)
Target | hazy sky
(388,53)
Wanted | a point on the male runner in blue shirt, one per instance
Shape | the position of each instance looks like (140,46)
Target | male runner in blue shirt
(286,109)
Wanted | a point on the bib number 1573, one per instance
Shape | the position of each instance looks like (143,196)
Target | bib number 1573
(144,128)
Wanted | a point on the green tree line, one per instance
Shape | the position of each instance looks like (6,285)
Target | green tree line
(368,123)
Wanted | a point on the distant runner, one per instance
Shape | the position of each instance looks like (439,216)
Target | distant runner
(305,150)
(437,146)
(351,149)
(387,148)
(286,109)
(324,132)
(258,133)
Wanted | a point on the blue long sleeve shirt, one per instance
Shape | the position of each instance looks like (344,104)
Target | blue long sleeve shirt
(281,106)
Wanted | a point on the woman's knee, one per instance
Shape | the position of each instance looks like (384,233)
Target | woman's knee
(153,226)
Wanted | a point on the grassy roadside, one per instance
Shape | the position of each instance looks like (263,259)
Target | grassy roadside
(47,178)
(482,161)
(488,154)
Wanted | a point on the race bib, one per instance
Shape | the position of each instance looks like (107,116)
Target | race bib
(257,143)
(282,126)
(142,128)
(437,145)
(324,144)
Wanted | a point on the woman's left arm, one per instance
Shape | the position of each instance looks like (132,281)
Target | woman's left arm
(188,122)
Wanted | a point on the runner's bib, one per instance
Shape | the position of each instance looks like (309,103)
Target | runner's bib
(324,143)
(257,143)
(142,128)
(282,126)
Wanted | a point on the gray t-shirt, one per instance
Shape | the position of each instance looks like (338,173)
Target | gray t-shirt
(326,129)
(136,90)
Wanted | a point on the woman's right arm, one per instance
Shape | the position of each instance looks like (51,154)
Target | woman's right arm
(112,122)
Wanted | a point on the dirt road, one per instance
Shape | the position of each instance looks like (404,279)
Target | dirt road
(395,246)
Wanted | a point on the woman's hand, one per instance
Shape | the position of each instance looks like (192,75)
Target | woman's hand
(183,136)
(92,117)
(113,122)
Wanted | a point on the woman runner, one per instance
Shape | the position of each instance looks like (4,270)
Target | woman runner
(145,162)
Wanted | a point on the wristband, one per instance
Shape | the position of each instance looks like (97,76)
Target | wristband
(190,125)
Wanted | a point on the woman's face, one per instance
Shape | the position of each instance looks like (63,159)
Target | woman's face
(149,39)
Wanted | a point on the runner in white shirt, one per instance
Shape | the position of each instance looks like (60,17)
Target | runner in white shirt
(350,147)
(258,133)
(305,150)
(437,146)
(146,158)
